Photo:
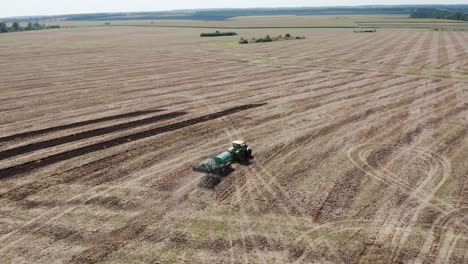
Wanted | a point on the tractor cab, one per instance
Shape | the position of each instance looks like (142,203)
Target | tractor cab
(238,144)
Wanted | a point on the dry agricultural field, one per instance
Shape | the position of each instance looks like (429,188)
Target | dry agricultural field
(360,144)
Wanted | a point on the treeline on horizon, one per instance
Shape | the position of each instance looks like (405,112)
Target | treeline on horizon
(439,14)
(223,14)
(16,27)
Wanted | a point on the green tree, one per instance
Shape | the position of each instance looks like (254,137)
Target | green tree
(3,27)
(436,13)
(29,26)
(16,26)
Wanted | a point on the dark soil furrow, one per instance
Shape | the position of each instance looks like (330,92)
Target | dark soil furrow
(30,166)
(74,125)
(9,153)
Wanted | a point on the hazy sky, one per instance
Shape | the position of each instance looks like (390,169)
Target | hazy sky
(54,7)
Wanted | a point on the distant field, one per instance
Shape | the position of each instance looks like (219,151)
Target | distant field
(416,25)
(251,21)
(315,21)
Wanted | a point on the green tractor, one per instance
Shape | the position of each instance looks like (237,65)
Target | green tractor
(220,164)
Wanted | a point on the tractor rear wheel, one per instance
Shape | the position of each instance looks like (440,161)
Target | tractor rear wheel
(243,156)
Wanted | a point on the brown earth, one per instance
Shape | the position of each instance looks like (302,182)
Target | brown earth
(360,144)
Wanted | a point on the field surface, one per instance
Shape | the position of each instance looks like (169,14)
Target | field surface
(360,144)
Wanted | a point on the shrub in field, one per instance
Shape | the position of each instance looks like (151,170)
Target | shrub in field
(267,38)
(365,31)
(218,34)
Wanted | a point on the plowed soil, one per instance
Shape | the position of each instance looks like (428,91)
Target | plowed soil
(360,144)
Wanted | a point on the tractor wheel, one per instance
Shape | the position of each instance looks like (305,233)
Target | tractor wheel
(243,156)
(249,151)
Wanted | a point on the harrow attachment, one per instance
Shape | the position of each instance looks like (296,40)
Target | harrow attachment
(210,166)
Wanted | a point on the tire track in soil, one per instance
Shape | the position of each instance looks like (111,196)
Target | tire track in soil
(76,124)
(434,247)
(446,147)
(292,220)
(244,191)
(408,137)
(418,192)
(355,224)
(241,195)
(33,165)
(354,118)
(269,188)
(9,153)
(135,233)
(280,195)
(119,238)
(438,89)
(423,196)
(463,193)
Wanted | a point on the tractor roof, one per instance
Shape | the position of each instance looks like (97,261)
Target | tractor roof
(240,142)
